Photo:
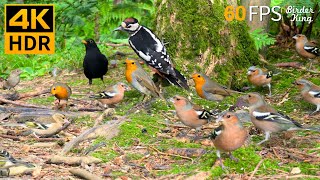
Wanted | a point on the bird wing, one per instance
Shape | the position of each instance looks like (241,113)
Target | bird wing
(215,88)
(311,48)
(145,81)
(202,113)
(275,117)
(216,132)
(315,93)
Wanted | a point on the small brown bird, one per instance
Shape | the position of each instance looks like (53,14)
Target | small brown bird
(189,114)
(259,78)
(112,95)
(266,118)
(210,90)
(230,136)
(306,48)
(309,92)
(13,79)
(62,92)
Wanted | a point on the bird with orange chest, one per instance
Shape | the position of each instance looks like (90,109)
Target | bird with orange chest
(112,95)
(210,90)
(140,80)
(229,136)
(259,78)
(62,92)
(305,48)
(189,114)
(309,92)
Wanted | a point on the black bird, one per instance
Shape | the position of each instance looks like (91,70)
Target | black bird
(95,64)
(148,47)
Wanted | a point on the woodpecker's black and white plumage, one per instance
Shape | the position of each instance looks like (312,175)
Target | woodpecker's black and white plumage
(149,47)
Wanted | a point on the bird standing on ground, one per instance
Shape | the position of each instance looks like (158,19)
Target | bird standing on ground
(62,92)
(189,114)
(95,64)
(259,78)
(309,92)
(210,90)
(230,136)
(266,118)
(140,80)
(112,95)
(13,79)
(149,47)
(306,48)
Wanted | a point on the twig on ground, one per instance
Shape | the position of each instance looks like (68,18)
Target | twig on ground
(84,174)
(168,154)
(256,169)
(17,138)
(21,104)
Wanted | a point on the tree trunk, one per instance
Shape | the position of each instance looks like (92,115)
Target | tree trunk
(200,39)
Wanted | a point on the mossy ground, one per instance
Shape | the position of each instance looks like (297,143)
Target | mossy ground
(153,118)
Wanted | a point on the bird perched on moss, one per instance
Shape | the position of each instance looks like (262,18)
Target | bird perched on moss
(305,48)
(45,126)
(309,92)
(95,64)
(210,90)
(269,120)
(112,95)
(140,80)
(13,79)
(62,92)
(230,136)
(10,166)
(149,48)
(189,114)
(259,78)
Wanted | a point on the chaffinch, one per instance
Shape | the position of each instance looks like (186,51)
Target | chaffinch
(310,92)
(13,79)
(259,78)
(46,125)
(230,136)
(210,90)
(140,80)
(62,92)
(266,118)
(189,114)
(306,48)
(95,64)
(112,95)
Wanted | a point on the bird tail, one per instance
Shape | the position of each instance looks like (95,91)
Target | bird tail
(316,128)
(6,154)
(178,80)
(98,96)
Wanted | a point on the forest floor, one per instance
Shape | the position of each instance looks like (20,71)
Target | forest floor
(152,143)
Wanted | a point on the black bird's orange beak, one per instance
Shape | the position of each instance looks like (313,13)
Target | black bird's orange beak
(84,42)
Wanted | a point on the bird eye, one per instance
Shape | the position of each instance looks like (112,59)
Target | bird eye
(91,41)
(54,89)
(249,96)
(132,63)
(253,70)
(178,99)
(228,116)
(198,76)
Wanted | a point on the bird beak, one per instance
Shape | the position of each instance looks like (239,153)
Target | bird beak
(249,72)
(66,121)
(127,88)
(295,37)
(220,119)
(120,28)
(171,100)
(84,42)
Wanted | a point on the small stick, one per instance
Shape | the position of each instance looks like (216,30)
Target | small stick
(116,45)
(168,154)
(16,138)
(84,174)
(256,169)
(173,125)
(21,104)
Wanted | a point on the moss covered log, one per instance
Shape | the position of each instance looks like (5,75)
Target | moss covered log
(200,39)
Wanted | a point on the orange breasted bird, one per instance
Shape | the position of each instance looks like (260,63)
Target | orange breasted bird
(268,119)
(210,90)
(62,92)
(305,48)
(189,114)
(229,136)
(13,79)
(309,92)
(140,80)
(112,95)
(259,78)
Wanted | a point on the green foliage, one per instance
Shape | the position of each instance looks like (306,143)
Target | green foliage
(261,38)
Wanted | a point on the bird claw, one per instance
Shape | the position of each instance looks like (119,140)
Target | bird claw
(234,158)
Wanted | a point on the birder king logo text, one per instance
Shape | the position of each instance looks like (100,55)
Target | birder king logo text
(29,29)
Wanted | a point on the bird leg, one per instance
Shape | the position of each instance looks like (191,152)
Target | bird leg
(233,158)
(219,157)
(316,111)
(90,81)
(269,86)
(267,137)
